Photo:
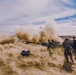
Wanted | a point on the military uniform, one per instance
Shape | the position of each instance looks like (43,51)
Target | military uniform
(49,46)
(74,46)
(67,49)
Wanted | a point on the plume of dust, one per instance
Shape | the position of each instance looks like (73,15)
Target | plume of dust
(23,35)
(28,34)
(42,37)
(49,32)
(35,38)
(5,38)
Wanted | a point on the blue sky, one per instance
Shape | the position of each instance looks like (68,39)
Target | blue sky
(17,13)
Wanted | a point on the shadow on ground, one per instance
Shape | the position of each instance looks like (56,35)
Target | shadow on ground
(67,66)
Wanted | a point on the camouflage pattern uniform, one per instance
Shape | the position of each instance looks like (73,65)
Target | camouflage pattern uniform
(67,49)
(74,45)
(49,46)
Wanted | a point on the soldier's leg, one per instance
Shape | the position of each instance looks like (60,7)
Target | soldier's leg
(49,50)
(75,50)
(66,56)
(71,57)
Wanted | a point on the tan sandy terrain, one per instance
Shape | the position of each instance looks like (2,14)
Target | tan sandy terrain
(37,63)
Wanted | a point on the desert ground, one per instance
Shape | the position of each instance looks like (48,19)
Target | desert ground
(39,62)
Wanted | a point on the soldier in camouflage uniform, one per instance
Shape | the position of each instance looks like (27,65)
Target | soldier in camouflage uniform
(49,46)
(74,45)
(67,49)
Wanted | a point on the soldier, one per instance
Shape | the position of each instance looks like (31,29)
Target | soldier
(67,49)
(49,46)
(74,45)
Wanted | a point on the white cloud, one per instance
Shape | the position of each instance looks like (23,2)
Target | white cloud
(69,2)
(21,8)
(22,12)
(66,13)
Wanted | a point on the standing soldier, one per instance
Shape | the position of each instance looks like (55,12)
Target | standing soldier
(74,45)
(67,49)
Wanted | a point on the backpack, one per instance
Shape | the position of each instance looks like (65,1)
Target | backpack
(66,44)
